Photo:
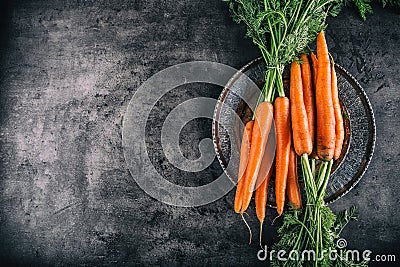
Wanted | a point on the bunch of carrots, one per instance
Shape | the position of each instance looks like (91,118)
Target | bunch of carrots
(308,123)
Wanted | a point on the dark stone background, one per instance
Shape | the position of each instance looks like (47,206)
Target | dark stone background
(67,72)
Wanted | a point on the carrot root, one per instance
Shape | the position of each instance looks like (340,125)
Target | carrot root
(283,143)
(248,227)
(261,129)
(339,128)
(323,96)
(244,157)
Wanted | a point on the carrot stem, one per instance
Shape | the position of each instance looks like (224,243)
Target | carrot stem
(313,167)
(321,189)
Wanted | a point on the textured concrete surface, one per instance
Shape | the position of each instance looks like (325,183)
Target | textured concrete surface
(67,72)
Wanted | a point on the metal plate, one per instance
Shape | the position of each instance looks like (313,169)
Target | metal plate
(359,124)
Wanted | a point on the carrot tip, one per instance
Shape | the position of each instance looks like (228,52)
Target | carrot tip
(261,228)
(273,221)
(248,226)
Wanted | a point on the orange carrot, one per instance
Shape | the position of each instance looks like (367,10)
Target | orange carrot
(263,180)
(339,128)
(314,61)
(308,95)
(324,103)
(283,142)
(261,129)
(244,157)
(301,133)
(261,195)
(292,188)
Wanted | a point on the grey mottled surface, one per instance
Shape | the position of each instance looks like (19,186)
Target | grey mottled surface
(67,72)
